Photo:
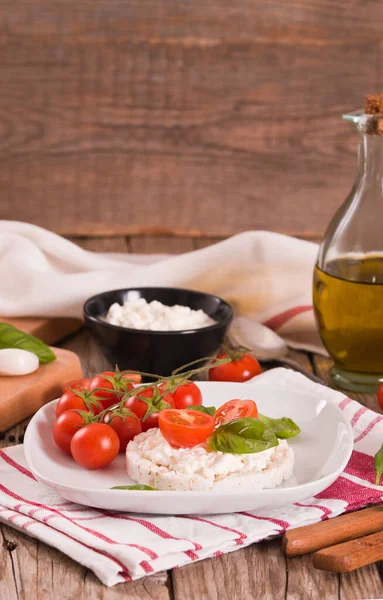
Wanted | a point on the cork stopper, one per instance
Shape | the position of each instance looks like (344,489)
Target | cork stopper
(371,122)
(374,104)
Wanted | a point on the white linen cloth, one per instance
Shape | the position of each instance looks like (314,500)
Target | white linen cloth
(124,546)
(267,277)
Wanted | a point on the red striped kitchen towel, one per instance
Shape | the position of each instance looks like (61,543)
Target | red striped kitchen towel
(125,546)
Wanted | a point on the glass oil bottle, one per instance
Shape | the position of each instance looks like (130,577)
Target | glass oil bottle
(348,276)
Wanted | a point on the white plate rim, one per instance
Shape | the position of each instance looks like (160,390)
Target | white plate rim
(264,493)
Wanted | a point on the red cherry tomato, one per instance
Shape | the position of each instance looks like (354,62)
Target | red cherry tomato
(126,424)
(115,382)
(74,401)
(65,427)
(241,369)
(235,409)
(187,394)
(77,384)
(185,428)
(380,396)
(148,403)
(95,446)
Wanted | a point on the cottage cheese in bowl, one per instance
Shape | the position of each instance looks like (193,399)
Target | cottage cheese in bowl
(155,316)
(151,460)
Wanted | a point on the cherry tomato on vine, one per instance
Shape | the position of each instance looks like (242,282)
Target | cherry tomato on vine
(95,446)
(125,423)
(380,396)
(187,394)
(67,424)
(242,367)
(112,382)
(185,428)
(235,409)
(78,400)
(78,384)
(148,403)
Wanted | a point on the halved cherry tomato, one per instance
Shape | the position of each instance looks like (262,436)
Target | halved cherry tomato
(115,382)
(78,384)
(239,369)
(65,427)
(76,400)
(185,428)
(125,423)
(187,394)
(235,409)
(95,446)
(148,403)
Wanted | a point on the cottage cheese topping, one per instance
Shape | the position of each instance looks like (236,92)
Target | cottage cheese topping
(151,460)
(155,316)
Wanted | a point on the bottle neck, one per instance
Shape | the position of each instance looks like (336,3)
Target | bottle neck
(371,160)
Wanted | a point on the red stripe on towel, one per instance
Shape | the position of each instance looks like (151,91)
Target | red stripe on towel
(14,464)
(277,321)
(241,535)
(358,414)
(283,524)
(369,427)
(326,511)
(345,402)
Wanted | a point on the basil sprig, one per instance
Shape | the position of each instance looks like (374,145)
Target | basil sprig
(208,410)
(378,465)
(283,428)
(243,436)
(134,487)
(10,337)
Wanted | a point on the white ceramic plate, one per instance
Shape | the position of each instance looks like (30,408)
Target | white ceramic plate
(321,452)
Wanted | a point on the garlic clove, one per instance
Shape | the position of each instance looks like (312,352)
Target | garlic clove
(14,361)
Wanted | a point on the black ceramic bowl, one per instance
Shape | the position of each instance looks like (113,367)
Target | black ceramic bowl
(158,352)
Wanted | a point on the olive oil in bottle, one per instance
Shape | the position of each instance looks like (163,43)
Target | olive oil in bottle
(348,277)
(348,304)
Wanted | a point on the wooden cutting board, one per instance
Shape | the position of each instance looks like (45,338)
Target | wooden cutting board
(22,396)
(48,329)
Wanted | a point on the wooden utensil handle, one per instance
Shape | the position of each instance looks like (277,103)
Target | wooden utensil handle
(350,555)
(327,533)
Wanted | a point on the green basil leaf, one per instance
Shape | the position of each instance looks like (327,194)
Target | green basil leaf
(134,487)
(283,428)
(243,436)
(10,337)
(378,465)
(209,410)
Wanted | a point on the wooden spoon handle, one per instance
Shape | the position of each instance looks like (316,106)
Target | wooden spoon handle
(350,555)
(327,533)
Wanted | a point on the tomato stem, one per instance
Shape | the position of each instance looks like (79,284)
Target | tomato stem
(143,373)
(236,352)
(194,362)
(181,378)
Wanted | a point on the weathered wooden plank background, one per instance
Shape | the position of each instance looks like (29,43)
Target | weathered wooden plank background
(214,116)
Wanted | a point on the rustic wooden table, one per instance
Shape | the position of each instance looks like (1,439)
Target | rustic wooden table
(31,570)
